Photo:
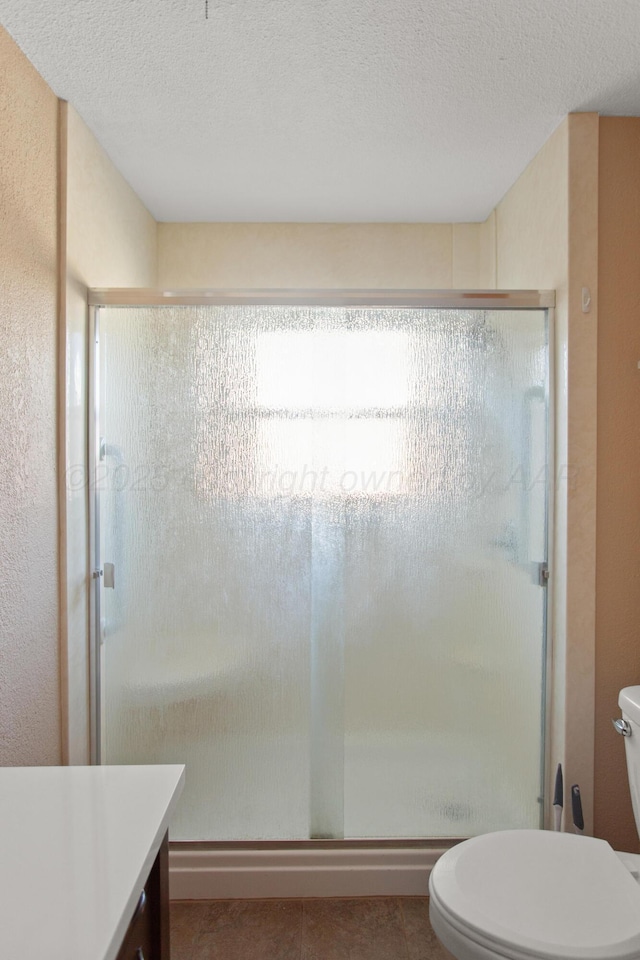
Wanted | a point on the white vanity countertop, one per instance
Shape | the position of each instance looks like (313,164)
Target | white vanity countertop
(76,846)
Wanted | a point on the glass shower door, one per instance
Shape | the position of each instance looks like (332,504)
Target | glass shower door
(206,657)
(444,608)
(325,526)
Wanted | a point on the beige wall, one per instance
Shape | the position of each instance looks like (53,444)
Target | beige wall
(110,242)
(473,255)
(546,237)
(50,165)
(29,660)
(618,531)
(111,236)
(325,255)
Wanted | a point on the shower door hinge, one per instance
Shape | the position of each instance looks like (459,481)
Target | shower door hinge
(543,574)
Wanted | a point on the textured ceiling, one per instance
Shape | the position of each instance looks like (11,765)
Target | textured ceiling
(329,110)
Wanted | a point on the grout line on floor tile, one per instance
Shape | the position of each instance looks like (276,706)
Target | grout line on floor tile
(382,896)
(302,930)
(404,926)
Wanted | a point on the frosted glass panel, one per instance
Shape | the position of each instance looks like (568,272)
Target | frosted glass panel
(326,525)
(444,613)
(207,653)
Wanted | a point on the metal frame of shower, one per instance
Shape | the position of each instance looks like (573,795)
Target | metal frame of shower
(413,299)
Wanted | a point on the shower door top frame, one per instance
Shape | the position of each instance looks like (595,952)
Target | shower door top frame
(416,299)
(494,300)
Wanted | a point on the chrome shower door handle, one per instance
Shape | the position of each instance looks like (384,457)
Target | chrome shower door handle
(622,727)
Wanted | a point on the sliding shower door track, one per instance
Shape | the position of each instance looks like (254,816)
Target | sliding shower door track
(386,844)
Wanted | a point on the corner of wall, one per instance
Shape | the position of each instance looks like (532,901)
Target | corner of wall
(546,238)
(110,241)
(62,426)
(473,255)
(29,599)
(581,358)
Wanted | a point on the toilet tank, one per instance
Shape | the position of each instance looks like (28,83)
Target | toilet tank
(629,703)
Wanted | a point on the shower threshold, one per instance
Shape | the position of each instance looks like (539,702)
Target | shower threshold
(222,870)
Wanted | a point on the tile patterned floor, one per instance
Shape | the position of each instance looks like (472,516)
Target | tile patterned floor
(380,928)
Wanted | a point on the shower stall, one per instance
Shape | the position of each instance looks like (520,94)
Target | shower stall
(320,557)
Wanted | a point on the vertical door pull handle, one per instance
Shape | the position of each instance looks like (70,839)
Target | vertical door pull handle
(109,579)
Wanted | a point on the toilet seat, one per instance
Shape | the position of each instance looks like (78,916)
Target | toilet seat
(521,894)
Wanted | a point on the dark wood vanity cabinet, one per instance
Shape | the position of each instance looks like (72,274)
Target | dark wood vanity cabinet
(147,937)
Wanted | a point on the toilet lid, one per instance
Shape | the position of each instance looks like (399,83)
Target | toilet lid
(541,894)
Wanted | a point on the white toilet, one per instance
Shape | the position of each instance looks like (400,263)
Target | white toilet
(524,894)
